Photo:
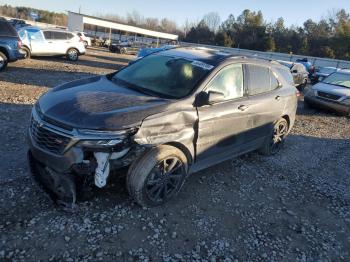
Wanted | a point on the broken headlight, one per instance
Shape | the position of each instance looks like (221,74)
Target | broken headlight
(102,139)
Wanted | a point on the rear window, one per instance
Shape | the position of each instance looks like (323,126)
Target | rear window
(285,73)
(6,29)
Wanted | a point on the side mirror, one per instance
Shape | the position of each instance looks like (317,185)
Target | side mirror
(212,97)
(32,37)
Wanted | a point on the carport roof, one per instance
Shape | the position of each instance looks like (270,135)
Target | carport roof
(87,19)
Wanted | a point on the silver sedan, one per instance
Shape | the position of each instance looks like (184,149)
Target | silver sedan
(332,93)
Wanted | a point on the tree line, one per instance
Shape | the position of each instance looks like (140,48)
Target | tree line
(329,37)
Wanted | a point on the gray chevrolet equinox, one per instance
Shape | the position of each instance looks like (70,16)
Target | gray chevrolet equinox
(164,117)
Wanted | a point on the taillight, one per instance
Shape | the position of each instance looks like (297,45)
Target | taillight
(297,93)
(19,44)
(81,39)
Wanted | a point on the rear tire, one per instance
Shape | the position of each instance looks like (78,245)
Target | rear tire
(275,142)
(3,61)
(72,54)
(26,52)
(157,176)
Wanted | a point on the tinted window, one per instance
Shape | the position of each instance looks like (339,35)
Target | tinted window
(79,34)
(6,29)
(228,81)
(47,34)
(59,35)
(259,79)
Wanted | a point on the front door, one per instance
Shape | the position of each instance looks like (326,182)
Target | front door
(222,125)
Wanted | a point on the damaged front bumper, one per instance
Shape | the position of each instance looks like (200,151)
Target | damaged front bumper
(62,162)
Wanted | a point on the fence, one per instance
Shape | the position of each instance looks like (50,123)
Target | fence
(316,61)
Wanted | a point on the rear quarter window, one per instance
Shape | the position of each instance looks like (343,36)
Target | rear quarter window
(6,29)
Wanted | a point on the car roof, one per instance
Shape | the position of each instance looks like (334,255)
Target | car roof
(206,55)
(215,56)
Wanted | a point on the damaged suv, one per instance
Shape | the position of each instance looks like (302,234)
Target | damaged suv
(165,116)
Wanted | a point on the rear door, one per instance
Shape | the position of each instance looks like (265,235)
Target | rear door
(267,100)
(60,42)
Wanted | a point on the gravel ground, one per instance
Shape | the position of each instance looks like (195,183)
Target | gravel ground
(294,206)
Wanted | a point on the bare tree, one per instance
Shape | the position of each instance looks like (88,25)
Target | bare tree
(212,20)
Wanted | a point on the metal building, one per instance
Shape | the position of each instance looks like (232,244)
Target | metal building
(76,22)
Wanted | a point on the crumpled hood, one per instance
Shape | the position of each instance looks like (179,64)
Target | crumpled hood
(98,103)
(337,90)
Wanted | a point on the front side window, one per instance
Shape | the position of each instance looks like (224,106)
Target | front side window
(164,76)
(228,81)
(259,79)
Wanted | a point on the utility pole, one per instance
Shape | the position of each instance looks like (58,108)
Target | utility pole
(79,9)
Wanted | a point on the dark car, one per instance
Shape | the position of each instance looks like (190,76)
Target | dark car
(10,44)
(165,116)
(127,48)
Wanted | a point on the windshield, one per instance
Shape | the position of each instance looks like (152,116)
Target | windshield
(164,76)
(338,79)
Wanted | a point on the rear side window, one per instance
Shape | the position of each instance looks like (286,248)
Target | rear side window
(286,75)
(59,35)
(259,79)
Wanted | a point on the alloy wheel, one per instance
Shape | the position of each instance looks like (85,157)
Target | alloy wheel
(165,179)
(73,55)
(280,132)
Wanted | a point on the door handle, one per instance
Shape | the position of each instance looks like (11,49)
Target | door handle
(278,98)
(243,107)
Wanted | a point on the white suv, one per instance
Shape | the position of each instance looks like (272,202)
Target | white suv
(51,42)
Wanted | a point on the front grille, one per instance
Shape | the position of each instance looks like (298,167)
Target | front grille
(47,139)
(328,95)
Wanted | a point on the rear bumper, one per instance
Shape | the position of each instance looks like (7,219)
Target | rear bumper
(322,103)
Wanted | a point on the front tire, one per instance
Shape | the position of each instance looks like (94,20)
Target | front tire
(3,61)
(72,54)
(157,176)
(276,141)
